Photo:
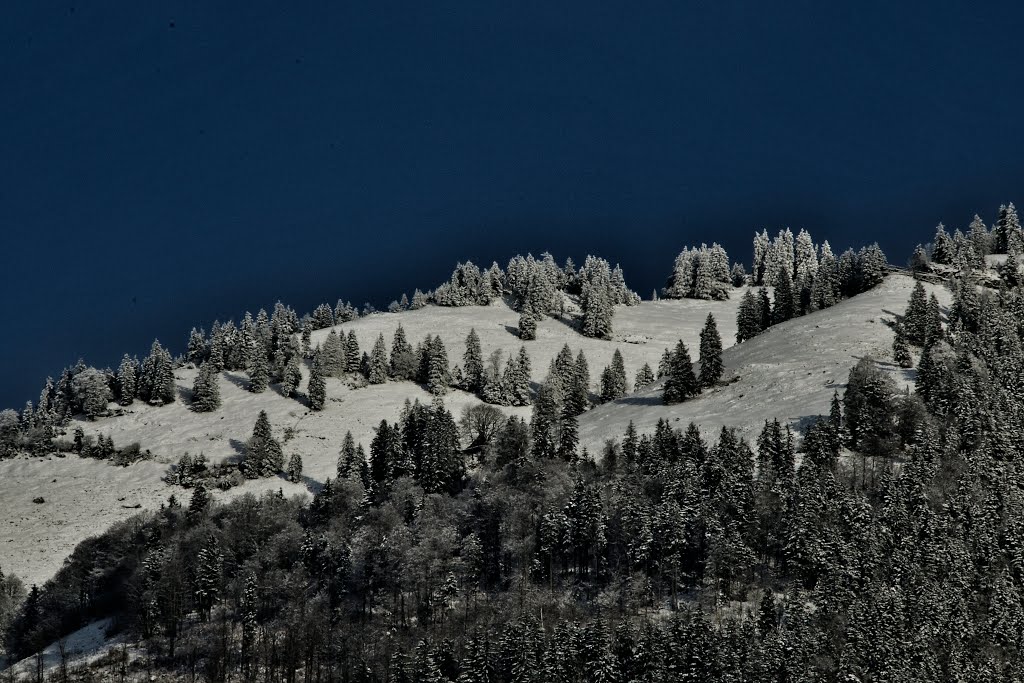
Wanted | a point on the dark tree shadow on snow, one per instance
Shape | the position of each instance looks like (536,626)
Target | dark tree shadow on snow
(238,380)
(239,448)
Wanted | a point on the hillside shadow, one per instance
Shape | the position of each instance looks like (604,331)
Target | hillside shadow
(802,424)
(238,447)
(569,323)
(513,330)
(646,400)
(238,380)
(311,484)
(184,395)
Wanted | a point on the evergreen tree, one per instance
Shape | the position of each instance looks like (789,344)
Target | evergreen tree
(613,379)
(264,457)
(197,351)
(914,319)
(597,310)
(333,362)
(295,468)
(350,464)
(680,383)
(748,318)
(738,275)
(291,377)
(785,303)
(872,267)
(545,420)
(711,367)
(307,339)
(473,363)
(644,376)
(126,381)
(568,434)
(942,246)
(352,355)
(1007,233)
(764,307)
(206,389)
(378,370)
(317,389)
(437,375)
(403,358)
(527,325)
(259,373)
(199,503)
(156,378)
(980,237)
(577,395)
(900,350)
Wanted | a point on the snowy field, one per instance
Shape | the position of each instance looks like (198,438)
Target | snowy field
(788,372)
(84,497)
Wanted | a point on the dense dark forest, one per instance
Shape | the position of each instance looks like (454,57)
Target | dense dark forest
(883,543)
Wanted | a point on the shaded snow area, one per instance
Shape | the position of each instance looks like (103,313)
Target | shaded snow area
(82,647)
(789,372)
(83,497)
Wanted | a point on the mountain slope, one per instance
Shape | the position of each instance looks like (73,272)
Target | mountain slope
(789,372)
(83,496)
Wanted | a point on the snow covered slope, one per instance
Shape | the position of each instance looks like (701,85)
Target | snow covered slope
(83,497)
(789,372)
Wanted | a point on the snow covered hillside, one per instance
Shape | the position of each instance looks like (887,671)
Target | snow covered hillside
(788,372)
(83,497)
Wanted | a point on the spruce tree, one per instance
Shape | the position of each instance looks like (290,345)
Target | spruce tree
(1007,231)
(914,319)
(748,318)
(307,339)
(403,358)
(613,379)
(156,378)
(378,370)
(900,350)
(597,310)
(332,355)
(568,436)
(527,325)
(681,383)
(352,355)
(437,377)
(317,389)
(577,395)
(644,376)
(206,389)
(349,464)
(264,457)
(292,376)
(294,468)
(127,381)
(473,363)
(711,367)
(785,303)
(259,373)
(764,308)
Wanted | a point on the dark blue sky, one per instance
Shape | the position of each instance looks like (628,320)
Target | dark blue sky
(166,164)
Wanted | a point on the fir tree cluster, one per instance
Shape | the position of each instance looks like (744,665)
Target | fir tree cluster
(802,280)
(702,273)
